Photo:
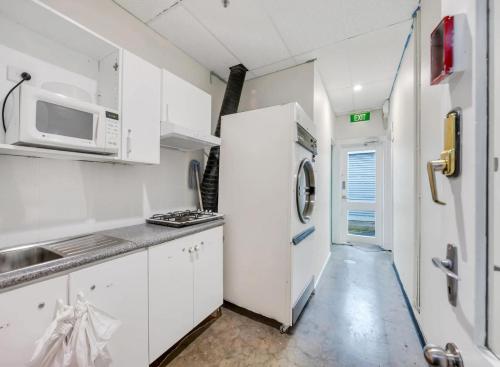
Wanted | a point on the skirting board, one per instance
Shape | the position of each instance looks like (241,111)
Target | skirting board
(320,275)
(411,311)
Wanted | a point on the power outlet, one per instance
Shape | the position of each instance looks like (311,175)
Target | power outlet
(14,73)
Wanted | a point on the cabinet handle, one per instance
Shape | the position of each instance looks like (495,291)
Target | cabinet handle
(4,326)
(41,305)
(92,287)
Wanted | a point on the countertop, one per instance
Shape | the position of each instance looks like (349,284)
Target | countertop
(140,236)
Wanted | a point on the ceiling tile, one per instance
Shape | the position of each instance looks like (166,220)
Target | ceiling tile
(367,15)
(307,25)
(243,27)
(341,99)
(145,10)
(334,64)
(373,95)
(182,29)
(264,70)
(376,55)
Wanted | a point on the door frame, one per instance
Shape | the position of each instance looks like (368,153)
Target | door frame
(372,143)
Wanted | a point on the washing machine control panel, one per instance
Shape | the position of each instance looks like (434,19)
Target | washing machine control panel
(307,140)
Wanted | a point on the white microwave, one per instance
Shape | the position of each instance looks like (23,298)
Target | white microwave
(51,120)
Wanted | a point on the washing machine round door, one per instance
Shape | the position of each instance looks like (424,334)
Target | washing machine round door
(306,187)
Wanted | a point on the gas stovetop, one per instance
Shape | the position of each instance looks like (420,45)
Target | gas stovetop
(184,218)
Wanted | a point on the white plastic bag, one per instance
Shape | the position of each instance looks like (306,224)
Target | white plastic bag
(77,337)
(51,347)
(91,333)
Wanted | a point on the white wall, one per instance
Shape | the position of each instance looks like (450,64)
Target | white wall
(402,120)
(289,85)
(345,130)
(324,118)
(43,199)
(303,84)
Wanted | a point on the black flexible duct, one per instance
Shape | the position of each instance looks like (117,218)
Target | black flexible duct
(210,183)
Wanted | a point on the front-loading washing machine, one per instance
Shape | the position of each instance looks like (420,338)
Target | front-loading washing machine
(267,193)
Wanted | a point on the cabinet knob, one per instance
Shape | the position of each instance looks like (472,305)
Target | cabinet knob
(191,250)
(197,248)
(41,305)
(92,287)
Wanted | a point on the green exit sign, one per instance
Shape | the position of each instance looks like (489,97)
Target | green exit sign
(358,117)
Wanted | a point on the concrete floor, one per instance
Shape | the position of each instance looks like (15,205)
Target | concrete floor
(357,318)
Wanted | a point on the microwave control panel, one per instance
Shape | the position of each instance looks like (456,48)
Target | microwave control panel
(112,130)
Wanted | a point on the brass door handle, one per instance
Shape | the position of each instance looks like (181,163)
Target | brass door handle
(432,167)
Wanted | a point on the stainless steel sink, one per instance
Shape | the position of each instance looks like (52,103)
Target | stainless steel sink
(23,257)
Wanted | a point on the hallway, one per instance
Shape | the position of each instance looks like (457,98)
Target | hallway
(357,318)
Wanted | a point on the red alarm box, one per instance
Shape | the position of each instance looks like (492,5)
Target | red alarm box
(447,48)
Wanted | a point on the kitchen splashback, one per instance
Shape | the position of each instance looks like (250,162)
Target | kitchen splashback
(42,199)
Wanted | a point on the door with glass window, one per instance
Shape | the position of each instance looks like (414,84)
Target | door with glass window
(361,194)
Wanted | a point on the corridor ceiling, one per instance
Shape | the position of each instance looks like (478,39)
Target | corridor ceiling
(356,42)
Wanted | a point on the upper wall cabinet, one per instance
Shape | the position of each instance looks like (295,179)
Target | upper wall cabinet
(67,63)
(110,97)
(140,110)
(185,115)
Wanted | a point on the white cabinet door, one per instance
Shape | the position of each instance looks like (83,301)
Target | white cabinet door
(170,294)
(25,314)
(119,287)
(208,280)
(141,90)
(185,105)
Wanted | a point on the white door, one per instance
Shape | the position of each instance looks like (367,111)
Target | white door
(494,190)
(141,93)
(119,288)
(207,273)
(25,314)
(461,222)
(361,177)
(170,294)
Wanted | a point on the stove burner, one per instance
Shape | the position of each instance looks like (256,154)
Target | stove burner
(183,218)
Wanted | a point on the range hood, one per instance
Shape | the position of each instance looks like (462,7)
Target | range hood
(182,138)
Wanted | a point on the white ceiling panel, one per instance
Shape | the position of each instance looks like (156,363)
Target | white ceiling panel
(354,41)
(333,62)
(341,99)
(372,95)
(367,15)
(264,70)
(146,10)
(376,55)
(244,28)
(307,25)
(182,29)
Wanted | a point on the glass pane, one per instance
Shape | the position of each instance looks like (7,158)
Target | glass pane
(361,222)
(361,176)
(59,120)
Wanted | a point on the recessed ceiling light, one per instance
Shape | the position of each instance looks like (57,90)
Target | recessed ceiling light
(357,87)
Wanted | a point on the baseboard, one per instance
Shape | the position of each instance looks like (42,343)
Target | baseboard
(320,275)
(410,308)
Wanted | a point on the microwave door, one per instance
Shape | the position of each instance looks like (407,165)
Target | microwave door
(52,120)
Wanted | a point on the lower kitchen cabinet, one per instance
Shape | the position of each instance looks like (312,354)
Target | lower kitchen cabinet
(185,286)
(208,276)
(25,314)
(120,288)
